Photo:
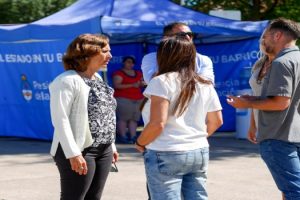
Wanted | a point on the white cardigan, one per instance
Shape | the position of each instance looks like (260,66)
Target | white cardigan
(69,114)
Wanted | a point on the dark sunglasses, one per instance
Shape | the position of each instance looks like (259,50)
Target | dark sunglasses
(184,34)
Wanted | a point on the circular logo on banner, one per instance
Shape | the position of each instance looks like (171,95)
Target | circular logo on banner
(26,88)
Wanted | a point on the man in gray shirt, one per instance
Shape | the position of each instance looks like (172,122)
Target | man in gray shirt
(279,107)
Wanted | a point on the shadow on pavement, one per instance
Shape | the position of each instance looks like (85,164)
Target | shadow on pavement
(225,145)
(222,146)
(13,145)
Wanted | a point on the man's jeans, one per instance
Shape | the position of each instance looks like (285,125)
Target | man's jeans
(172,174)
(282,159)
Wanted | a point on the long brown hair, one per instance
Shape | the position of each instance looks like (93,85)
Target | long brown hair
(178,54)
(81,49)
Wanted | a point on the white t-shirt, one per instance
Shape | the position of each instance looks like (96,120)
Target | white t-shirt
(204,66)
(187,132)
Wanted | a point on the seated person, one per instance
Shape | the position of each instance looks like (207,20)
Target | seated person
(128,83)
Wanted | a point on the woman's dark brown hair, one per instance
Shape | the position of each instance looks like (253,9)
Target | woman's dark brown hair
(82,49)
(178,54)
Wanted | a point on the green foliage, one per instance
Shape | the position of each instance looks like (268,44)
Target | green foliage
(25,11)
(250,9)
(289,9)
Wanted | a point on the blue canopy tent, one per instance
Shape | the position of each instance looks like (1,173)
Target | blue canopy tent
(141,18)
(30,54)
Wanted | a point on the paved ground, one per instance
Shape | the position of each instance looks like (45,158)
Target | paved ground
(236,172)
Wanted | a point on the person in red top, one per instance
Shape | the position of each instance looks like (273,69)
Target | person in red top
(128,85)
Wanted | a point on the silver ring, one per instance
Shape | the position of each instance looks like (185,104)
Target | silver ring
(81,168)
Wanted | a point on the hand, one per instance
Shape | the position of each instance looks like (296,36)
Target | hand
(140,148)
(143,83)
(115,156)
(238,101)
(252,136)
(78,164)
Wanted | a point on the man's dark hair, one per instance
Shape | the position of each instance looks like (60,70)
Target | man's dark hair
(128,58)
(169,28)
(289,27)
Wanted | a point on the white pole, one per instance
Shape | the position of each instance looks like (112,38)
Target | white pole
(182,2)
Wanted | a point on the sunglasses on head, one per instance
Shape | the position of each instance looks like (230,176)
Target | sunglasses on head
(184,34)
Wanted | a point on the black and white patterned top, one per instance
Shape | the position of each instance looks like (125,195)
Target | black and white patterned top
(102,111)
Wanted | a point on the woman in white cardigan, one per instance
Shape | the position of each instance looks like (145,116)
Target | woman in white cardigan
(83,115)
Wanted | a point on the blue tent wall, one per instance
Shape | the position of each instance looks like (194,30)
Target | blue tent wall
(228,63)
(134,29)
(24,104)
(230,58)
(26,70)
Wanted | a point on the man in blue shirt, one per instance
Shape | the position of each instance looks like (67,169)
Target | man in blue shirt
(204,65)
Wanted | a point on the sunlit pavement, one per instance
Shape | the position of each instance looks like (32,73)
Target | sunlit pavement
(236,172)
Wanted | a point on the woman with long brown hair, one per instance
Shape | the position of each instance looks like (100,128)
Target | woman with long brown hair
(182,111)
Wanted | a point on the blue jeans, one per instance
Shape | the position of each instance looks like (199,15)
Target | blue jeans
(283,161)
(172,174)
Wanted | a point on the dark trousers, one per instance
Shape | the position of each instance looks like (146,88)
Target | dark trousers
(91,185)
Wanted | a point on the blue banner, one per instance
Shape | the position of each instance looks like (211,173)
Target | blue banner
(26,69)
(229,59)
(118,51)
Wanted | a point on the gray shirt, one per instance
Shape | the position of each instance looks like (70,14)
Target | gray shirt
(282,80)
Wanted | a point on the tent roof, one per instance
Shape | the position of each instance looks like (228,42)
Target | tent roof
(127,21)
(79,11)
(143,10)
